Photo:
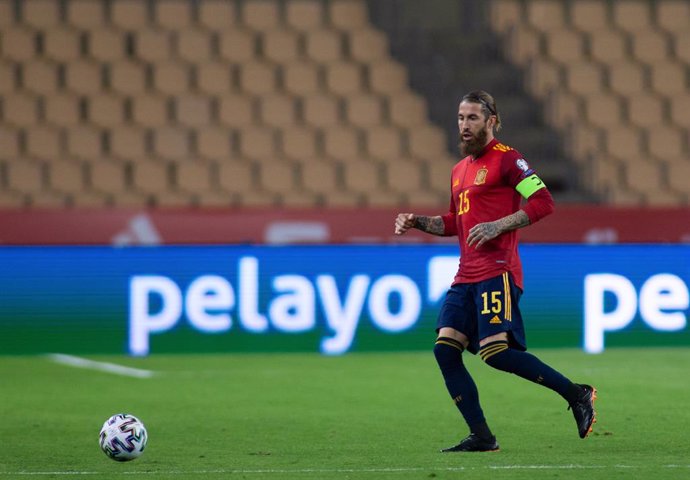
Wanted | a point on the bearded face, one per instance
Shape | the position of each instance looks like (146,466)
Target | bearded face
(474,127)
(473,143)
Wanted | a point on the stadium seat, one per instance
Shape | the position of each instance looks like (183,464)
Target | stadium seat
(277,176)
(25,176)
(8,78)
(565,46)
(193,177)
(323,45)
(171,78)
(678,174)
(544,75)
(173,15)
(151,45)
(150,110)
(127,77)
(193,110)
(214,78)
(669,79)
(281,46)
(589,15)
(41,14)
(505,14)
(9,143)
(301,78)
(277,110)
(261,15)
(672,15)
(151,177)
(214,143)
(129,15)
(40,77)
(108,177)
(645,110)
(364,110)
(605,174)
(85,143)
(384,143)
(236,110)
(171,143)
(84,77)
(128,143)
(383,198)
(107,45)
(299,142)
(44,143)
(681,43)
(545,15)
(603,110)
(623,141)
(258,78)
(237,45)
(321,111)
(665,142)
(405,175)
(343,199)
(626,78)
(438,172)
(257,143)
(387,78)
(237,177)
(584,78)
(407,110)
(304,15)
(650,46)
(193,46)
(106,111)
(361,176)
(367,45)
(341,143)
(348,14)
(62,110)
(344,78)
(680,111)
(584,141)
(20,110)
(86,14)
(608,46)
(217,15)
(319,177)
(426,142)
(18,44)
(67,177)
(643,174)
(632,15)
(61,45)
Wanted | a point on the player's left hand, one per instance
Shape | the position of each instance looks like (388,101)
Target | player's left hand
(482,233)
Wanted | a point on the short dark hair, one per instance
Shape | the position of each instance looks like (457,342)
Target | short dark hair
(486,101)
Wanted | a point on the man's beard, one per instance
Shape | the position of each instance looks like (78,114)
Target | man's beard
(475,145)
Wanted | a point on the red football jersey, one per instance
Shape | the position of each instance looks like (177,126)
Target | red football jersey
(483,190)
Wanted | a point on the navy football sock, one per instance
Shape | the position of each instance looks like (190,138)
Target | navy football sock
(460,385)
(500,356)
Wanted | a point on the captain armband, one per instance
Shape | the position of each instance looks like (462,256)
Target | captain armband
(530,185)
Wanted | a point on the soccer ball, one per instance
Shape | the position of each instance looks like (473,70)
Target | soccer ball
(123,437)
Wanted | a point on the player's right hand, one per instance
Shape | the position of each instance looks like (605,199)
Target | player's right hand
(403,222)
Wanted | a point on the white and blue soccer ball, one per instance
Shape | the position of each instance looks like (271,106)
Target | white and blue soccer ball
(123,437)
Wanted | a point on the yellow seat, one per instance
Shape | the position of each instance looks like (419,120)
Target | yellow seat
(668,78)
(106,110)
(41,14)
(83,78)
(171,78)
(151,177)
(107,44)
(20,110)
(341,143)
(623,141)
(237,177)
(281,46)
(9,143)
(426,142)
(387,78)
(321,111)
(680,111)
(151,45)
(565,46)
(650,46)
(672,15)
(18,44)
(324,45)
(545,15)
(258,78)
(128,77)
(603,110)
(277,110)
(301,78)
(405,175)
(627,78)
(407,110)
(504,15)
(128,143)
(589,15)
(214,78)
(678,174)
(384,143)
(645,110)
(237,45)
(277,176)
(632,15)
(642,174)
(108,177)
(193,177)
(257,143)
(214,143)
(85,143)
(362,176)
(62,110)
(8,78)
(43,143)
(320,177)
(665,142)
(348,14)
(608,46)
(67,177)
(584,78)
(343,78)
(236,110)
(129,15)
(299,142)
(368,45)
(25,176)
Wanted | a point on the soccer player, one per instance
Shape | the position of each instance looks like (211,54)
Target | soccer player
(480,312)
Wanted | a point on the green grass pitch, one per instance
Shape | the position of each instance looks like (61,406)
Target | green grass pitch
(359,416)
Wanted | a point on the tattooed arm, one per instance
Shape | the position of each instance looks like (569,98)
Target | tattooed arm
(405,221)
(483,232)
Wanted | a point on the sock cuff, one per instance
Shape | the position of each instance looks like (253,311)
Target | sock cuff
(491,349)
(451,342)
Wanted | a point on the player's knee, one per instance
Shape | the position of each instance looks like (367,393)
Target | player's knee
(448,351)
(496,355)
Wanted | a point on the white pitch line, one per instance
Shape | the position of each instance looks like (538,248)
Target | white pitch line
(336,470)
(113,368)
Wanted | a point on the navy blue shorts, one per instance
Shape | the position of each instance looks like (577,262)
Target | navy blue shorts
(483,309)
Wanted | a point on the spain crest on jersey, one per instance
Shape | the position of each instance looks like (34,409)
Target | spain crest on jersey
(481,176)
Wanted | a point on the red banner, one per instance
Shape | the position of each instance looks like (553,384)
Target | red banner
(569,224)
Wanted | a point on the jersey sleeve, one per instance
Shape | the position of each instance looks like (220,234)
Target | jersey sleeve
(518,173)
(450,227)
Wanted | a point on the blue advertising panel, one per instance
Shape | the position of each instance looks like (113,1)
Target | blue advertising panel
(332,299)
